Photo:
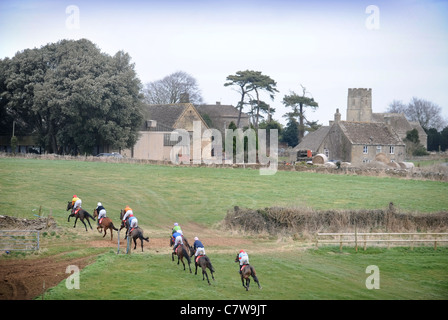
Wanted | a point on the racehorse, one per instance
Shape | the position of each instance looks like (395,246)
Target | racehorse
(135,232)
(246,271)
(81,215)
(204,262)
(181,252)
(105,223)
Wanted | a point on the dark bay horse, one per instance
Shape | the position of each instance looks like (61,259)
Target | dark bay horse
(246,271)
(204,262)
(105,224)
(82,214)
(136,233)
(181,252)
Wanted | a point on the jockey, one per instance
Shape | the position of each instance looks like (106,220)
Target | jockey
(178,240)
(101,212)
(129,216)
(243,259)
(176,229)
(198,247)
(133,223)
(76,203)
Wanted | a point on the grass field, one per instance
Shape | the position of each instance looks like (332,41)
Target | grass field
(199,197)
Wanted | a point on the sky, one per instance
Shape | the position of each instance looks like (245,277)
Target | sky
(399,49)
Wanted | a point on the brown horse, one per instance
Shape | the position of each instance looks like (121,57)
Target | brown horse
(246,271)
(135,233)
(105,224)
(181,252)
(82,214)
(204,262)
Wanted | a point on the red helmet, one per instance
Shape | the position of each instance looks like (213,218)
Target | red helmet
(241,251)
(75,196)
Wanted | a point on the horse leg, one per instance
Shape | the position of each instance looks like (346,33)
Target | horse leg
(182,259)
(76,220)
(196,270)
(135,243)
(105,231)
(141,241)
(256,280)
(247,283)
(111,234)
(211,272)
(172,256)
(82,220)
(89,223)
(204,270)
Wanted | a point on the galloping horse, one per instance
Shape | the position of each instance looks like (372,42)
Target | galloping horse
(246,271)
(134,234)
(81,215)
(138,233)
(204,262)
(105,223)
(181,252)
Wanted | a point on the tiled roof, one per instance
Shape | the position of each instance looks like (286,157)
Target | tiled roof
(370,133)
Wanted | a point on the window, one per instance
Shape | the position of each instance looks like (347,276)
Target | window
(392,150)
(365,150)
(167,141)
(327,153)
(378,149)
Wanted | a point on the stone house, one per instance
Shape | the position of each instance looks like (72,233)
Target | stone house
(355,142)
(154,142)
(222,115)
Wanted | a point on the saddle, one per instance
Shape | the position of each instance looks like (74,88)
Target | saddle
(77,210)
(197,258)
(101,220)
(243,266)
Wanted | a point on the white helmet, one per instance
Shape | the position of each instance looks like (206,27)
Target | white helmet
(99,204)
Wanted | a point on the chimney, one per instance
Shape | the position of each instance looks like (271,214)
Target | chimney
(218,103)
(337,116)
(184,98)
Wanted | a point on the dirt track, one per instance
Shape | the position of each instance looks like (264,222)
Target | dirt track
(24,278)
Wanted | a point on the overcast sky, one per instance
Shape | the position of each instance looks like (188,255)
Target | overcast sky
(397,48)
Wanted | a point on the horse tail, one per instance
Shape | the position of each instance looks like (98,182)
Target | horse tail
(141,237)
(89,215)
(184,251)
(113,227)
(253,271)
(207,259)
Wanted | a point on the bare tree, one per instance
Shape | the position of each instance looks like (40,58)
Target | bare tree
(174,88)
(427,113)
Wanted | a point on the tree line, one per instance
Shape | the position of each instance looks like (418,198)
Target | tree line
(74,97)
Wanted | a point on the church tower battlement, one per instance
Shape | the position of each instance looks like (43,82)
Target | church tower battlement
(359,105)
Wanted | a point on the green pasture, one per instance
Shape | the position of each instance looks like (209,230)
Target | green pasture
(306,275)
(161,195)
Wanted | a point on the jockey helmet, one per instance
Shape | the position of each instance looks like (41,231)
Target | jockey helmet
(176,224)
(196,238)
(241,251)
(99,204)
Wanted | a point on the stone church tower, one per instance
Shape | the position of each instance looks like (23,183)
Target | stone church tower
(359,105)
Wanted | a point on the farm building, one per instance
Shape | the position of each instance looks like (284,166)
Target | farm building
(221,116)
(364,137)
(154,142)
(355,142)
